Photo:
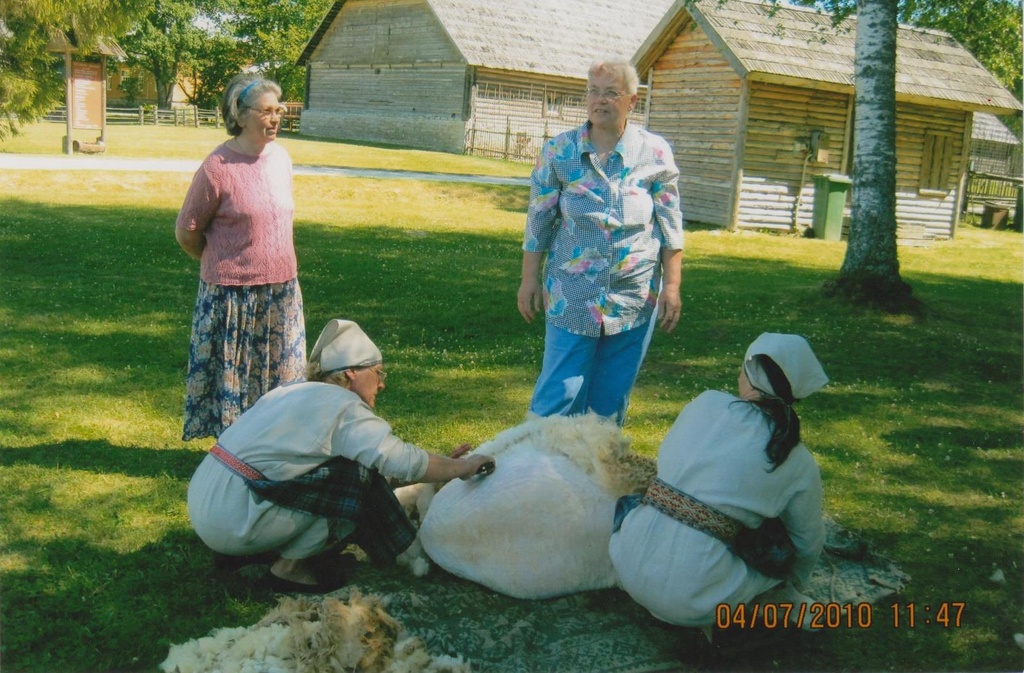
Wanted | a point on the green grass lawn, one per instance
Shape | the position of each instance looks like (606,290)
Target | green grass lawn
(169,142)
(918,434)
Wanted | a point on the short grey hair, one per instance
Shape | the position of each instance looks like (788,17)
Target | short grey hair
(621,68)
(239,95)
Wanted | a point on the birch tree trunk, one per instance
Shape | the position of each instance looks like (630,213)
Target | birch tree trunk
(870,273)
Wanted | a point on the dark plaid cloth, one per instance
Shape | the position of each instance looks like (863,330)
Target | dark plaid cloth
(338,489)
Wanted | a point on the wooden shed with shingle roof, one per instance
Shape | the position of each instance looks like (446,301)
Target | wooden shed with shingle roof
(758,100)
(492,77)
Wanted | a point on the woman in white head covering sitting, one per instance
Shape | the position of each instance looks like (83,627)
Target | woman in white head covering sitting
(309,464)
(727,465)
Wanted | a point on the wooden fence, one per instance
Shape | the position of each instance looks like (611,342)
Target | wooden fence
(988,189)
(180,116)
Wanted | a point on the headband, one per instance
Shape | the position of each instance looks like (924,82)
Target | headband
(241,96)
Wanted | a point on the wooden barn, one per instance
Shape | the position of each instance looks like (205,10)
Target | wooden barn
(758,102)
(488,77)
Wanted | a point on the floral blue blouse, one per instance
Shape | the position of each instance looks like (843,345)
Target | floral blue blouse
(603,228)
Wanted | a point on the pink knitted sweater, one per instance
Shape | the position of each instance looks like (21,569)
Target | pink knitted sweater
(245,207)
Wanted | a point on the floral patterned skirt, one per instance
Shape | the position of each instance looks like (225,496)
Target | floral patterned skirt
(246,340)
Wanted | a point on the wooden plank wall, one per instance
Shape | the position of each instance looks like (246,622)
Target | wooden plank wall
(695,104)
(387,72)
(422,88)
(778,180)
(385,57)
(385,31)
(926,214)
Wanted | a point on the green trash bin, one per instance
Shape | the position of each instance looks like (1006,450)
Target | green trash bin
(829,202)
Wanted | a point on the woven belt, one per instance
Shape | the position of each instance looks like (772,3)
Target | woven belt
(243,470)
(690,511)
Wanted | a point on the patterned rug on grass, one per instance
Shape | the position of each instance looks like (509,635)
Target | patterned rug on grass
(592,632)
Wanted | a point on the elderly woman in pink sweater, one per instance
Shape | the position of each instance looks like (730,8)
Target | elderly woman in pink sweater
(248,331)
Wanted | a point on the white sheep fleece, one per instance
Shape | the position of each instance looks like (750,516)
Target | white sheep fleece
(306,635)
(539,526)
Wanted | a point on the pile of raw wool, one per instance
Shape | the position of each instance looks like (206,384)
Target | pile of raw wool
(313,635)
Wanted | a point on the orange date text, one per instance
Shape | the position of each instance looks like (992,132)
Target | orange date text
(810,616)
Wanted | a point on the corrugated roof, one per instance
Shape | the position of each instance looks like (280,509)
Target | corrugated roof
(551,37)
(801,43)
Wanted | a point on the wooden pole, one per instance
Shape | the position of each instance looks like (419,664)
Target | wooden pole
(647,98)
(69,101)
(103,99)
(508,135)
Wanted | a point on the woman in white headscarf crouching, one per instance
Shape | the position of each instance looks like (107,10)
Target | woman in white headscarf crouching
(308,465)
(727,463)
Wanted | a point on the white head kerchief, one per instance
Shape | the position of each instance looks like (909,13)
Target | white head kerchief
(793,355)
(342,345)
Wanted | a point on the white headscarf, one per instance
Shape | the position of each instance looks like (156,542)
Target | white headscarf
(342,345)
(793,355)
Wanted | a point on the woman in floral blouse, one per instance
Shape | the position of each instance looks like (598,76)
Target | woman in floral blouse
(604,215)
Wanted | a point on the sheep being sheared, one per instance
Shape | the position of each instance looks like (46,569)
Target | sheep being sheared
(539,526)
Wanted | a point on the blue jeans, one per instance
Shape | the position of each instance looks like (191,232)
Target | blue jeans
(582,373)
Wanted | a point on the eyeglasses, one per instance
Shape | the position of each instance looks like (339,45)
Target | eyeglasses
(269,112)
(379,372)
(606,94)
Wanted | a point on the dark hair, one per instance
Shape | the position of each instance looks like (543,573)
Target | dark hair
(778,411)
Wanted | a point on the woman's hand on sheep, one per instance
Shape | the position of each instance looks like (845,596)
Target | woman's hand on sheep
(482,465)
(461,450)
(444,468)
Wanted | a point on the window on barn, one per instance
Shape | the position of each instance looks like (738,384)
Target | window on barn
(552,104)
(937,161)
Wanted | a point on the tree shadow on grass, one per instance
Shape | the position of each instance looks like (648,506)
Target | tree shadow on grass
(418,285)
(107,288)
(102,457)
(120,611)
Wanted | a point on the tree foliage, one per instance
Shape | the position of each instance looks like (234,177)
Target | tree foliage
(31,80)
(273,35)
(167,41)
(206,42)
(218,60)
